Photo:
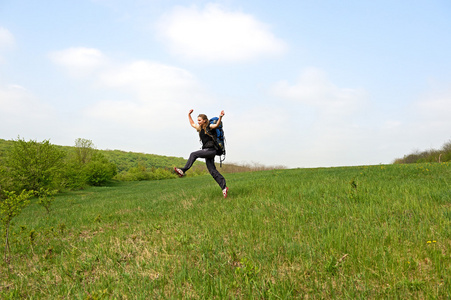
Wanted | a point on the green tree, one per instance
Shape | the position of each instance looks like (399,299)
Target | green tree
(84,150)
(87,166)
(10,207)
(33,165)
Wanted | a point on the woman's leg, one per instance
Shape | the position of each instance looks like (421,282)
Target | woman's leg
(210,161)
(204,153)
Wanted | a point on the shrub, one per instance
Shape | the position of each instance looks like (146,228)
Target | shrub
(140,173)
(86,166)
(442,155)
(10,207)
(33,165)
(73,176)
(45,198)
(99,170)
(160,173)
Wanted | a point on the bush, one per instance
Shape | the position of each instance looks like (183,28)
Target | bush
(73,176)
(159,173)
(136,174)
(10,207)
(86,166)
(140,173)
(5,181)
(99,170)
(32,165)
(442,155)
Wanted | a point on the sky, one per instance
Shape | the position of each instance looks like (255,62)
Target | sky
(303,83)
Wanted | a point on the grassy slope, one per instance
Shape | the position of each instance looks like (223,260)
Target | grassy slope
(368,232)
(128,160)
(123,160)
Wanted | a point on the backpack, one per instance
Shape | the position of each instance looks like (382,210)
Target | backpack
(220,140)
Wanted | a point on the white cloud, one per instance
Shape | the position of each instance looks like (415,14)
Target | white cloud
(134,99)
(314,89)
(322,120)
(147,92)
(6,38)
(154,92)
(432,113)
(150,80)
(24,113)
(423,125)
(215,34)
(79,61)
(347,131)
(436,106)
(6,41)
(15,101)
(391,124)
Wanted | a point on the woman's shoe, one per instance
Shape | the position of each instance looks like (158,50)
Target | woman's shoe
(179,172)
(224,192)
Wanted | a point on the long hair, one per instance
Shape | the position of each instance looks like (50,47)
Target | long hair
(208,131)
(204,117)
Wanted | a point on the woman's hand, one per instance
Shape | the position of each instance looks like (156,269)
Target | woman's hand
(191,121)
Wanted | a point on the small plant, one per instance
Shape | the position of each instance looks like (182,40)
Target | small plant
(411,285)
(49,253)
(32,239)
(62,227)
(46,198)
(10,207)
(183,239)
(353,190)
(98,219)
(100,294)
(333,265)
(247,270)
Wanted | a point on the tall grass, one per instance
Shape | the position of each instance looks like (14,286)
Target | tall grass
(359,232)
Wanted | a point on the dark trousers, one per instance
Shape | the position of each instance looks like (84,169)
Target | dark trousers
(209,155)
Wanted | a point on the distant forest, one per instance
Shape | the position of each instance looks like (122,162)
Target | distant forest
(433,155)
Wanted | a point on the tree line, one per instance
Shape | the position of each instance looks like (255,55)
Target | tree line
(434,155)
(32,165)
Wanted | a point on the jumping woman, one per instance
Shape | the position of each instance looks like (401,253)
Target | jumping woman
(207,135)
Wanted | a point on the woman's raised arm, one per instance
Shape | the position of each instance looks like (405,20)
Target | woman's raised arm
(214,126)
(191,121)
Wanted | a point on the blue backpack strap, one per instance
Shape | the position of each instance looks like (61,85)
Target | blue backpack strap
(220,139)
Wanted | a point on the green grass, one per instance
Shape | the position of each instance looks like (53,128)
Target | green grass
(353,232)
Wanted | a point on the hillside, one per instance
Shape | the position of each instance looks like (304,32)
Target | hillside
(126,161)
(370,232)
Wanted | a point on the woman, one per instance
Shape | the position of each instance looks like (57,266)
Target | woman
(208,137)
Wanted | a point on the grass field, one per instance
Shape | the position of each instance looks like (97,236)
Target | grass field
(365,232)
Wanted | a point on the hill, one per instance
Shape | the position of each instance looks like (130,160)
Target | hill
(122,159)
(370,232)
(140,166)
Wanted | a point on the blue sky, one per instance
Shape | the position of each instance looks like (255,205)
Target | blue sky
(302,83)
